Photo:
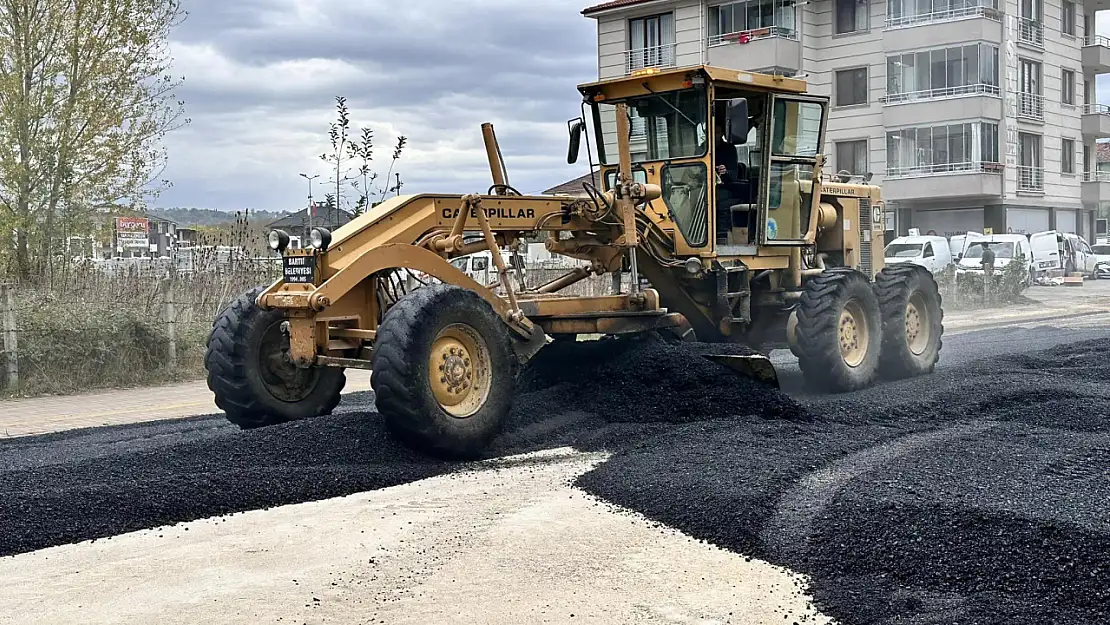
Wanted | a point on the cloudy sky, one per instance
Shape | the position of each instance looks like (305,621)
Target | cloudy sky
(261,77)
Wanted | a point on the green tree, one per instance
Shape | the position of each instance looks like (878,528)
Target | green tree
(85,101)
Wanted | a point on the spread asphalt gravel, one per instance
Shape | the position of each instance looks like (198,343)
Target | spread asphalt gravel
(975,495)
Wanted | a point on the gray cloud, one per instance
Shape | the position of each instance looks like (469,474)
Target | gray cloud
(261,78)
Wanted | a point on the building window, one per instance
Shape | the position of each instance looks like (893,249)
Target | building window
(940,73)
(851,86)
(1031,23)
(962,147)
(1030,163)
(1067,18)
(1067,87)
(1067,156)
(851,156)
(1030,97)
(756,19)
(651,42)
(911,12)
(851,16)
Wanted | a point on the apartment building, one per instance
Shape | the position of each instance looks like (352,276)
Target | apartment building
(971,114)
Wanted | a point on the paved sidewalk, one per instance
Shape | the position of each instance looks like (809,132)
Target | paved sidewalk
(39,415)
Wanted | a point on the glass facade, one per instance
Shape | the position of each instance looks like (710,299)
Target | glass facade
(945,72)
(967,146)
(766,18)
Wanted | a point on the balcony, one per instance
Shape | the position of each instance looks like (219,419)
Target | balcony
(931,106)
(1095,187)
(1096,54)
(942,29)
(969,180)
(939,17)
(1030,179)
(771,46)
(1096,120)
(1030,32)
(643,58)
(1030,106)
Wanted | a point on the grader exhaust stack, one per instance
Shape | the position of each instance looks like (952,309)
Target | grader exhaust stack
(767,254)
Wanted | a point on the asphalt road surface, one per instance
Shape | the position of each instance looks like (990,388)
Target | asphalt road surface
(975,495)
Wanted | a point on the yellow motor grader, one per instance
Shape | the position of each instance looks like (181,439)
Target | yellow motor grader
(712,198)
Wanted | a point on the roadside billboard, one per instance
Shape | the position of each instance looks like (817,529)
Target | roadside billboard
(132,232)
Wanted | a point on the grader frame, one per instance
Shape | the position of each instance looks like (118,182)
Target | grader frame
(785,262)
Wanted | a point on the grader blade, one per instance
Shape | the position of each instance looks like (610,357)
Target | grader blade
(754,366)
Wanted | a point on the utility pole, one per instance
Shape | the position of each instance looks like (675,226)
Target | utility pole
(311,206)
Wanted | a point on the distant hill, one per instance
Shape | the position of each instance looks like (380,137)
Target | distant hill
(212,217)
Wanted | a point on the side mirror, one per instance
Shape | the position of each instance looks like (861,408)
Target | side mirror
(574,127)
(736,121)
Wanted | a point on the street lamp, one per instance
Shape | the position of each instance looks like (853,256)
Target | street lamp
(311,208)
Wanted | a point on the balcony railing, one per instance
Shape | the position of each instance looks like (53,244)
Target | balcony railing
(968,167)
(903,21)
(1030,178)
(1096,176)
(1030,32)
(1096,40)
(744,36)
(1096,109)
(1031,106)
(941,93)
(643,58)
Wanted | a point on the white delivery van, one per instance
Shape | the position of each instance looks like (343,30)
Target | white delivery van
(931,252)
(1007,249)
(1062,253)
(958,243)
(480,267)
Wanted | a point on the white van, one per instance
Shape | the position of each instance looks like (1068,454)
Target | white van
(1006,247)
(1102,260)
(1062,253)
(931,252)
(958,243)
(480,267)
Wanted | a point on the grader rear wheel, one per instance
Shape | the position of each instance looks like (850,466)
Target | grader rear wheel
(912,320)
(838,331)
(250,373)
(443,371)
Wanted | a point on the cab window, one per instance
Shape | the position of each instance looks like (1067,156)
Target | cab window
(480,263)
(795,139)
(662,126)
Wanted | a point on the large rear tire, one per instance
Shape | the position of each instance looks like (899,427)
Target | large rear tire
(838,331)
(443,371)
(250,373)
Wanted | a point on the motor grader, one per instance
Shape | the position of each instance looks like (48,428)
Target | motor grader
(712,198)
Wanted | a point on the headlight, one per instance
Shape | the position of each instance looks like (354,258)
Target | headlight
(278,240)
(320,238)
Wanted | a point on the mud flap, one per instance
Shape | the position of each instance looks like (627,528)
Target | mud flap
(754,366)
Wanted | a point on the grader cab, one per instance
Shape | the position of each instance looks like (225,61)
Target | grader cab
(712,193)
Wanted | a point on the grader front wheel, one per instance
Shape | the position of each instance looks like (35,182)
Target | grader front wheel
(443,371)
(912,320)
(838,331)
(250,373)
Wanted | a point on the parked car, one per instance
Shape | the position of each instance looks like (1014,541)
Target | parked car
(1102,260)
(931,252)
(1007,249)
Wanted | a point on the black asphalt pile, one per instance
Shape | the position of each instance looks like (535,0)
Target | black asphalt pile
(976,495)
(647,379)
(149,476)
